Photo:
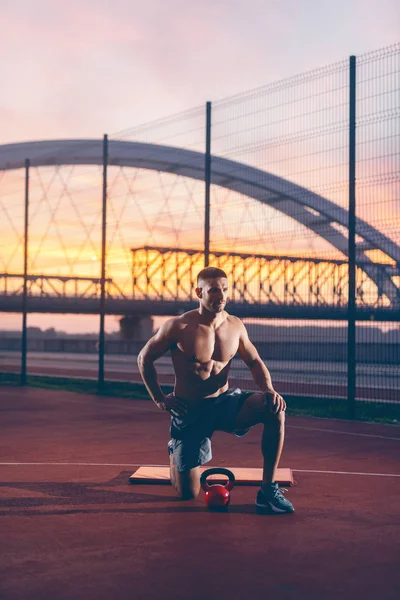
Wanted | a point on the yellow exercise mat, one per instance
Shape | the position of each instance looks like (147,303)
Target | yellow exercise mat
(243,476)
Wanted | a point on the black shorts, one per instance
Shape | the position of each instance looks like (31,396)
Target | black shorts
(191,435)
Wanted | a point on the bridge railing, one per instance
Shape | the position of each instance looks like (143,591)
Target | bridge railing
(57,286)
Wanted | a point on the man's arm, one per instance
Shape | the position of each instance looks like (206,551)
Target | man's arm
(248,353)
(156,347)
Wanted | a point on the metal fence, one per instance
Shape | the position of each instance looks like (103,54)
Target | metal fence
(292,188)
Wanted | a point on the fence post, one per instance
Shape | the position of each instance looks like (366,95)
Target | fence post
(207,179)
(25,290)
(100,381)
(351,331)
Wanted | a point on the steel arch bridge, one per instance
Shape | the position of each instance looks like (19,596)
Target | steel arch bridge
(320,215)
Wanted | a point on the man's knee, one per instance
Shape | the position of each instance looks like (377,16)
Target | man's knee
(187,491)
(276,420)
(186,483)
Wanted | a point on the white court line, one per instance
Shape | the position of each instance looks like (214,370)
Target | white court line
(337,420)
(369,435)
(83,464)
(347,473)
(73,464)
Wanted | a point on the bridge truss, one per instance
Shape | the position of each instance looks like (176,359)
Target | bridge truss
(164,283)
(170,274)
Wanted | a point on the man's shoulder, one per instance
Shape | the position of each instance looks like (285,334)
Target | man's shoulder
(170,324)
(234,321)
(188,316)
(181,321)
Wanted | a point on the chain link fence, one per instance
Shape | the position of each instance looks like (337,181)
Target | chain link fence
(258,184)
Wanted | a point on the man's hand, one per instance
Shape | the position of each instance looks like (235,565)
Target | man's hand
(275,402)
(175,406)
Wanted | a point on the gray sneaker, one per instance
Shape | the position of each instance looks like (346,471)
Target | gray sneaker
(272,501)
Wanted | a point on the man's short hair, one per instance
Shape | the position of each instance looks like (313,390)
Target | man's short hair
(210,273)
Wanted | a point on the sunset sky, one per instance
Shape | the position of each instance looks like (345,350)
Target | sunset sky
(88,67)
(82,69)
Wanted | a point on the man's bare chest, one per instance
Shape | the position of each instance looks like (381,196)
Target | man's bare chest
(202,346)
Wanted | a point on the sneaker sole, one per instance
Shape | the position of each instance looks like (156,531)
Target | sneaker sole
(271,510)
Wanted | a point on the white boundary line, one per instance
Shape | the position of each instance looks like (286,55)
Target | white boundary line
(347,473)
(369,435)
(72,464)
(337,420)
(83,464)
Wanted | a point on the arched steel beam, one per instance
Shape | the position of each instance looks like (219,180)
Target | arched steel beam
(315,212)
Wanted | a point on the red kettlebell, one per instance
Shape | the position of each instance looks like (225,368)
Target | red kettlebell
(217,496)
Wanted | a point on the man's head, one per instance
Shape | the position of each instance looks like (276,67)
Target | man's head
(212,289)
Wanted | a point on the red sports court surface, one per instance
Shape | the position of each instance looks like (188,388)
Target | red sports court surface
(73,527)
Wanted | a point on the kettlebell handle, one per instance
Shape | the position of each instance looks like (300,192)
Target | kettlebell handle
(217,471)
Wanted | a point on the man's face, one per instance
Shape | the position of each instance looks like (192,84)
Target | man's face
(213,294)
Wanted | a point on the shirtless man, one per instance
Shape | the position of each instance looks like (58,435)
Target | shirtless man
(202,344)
